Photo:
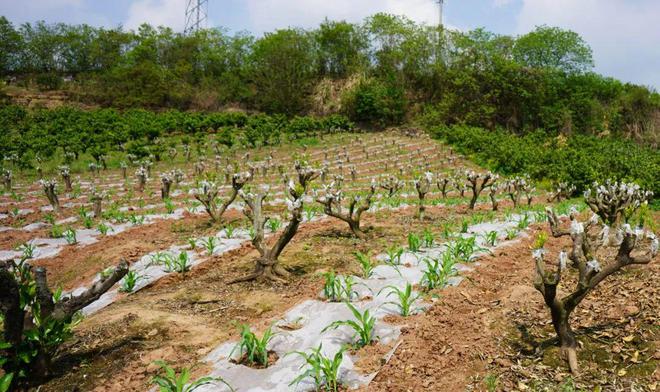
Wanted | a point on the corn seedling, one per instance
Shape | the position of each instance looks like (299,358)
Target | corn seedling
(324,371)
(436,274)
(210,244)
(70,236)
(192,242)
(168,380)
(406,299)
(82,212)
(158,258)
(491,381)
(229,230)
(253,350)
(136,220)
(103,228)
(180,264)
(463,249)
(427,238)
(394,254)
(28,250)
(274,224)
(88,222)
(337,289)
(491,238)
(363,325)
(169,206)
(511,234)
(465,225)
(414,242)
(366,264)
(129,281)
(56,231)
(523,223)
(309,213)
(49,218)
(477,219)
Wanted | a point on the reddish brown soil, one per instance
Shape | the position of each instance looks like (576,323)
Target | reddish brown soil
(471,330)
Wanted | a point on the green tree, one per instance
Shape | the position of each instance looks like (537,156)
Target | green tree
(282,70)
(555,48)
(341,48)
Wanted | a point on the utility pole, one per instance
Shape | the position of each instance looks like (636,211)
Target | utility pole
(441,4)
(196,15)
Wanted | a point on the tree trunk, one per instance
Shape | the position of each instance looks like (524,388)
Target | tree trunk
(567,342)
(97,209)
(355,228)
(473,200)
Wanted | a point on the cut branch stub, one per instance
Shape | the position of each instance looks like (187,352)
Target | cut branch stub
(166,179)
(96,196)
(142,174)
(50,189)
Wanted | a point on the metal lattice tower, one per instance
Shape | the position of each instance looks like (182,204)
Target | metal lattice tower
(196,15)
(441,4)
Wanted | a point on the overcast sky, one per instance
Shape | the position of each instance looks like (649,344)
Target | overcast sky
(624,34)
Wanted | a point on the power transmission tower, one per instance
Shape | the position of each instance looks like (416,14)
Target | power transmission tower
(441,4)
(196,15)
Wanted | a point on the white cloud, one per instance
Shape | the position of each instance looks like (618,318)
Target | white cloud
(156,12)
(267,15)
(624,34)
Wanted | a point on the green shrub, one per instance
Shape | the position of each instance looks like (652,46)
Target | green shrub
(579,160)
(376,102)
